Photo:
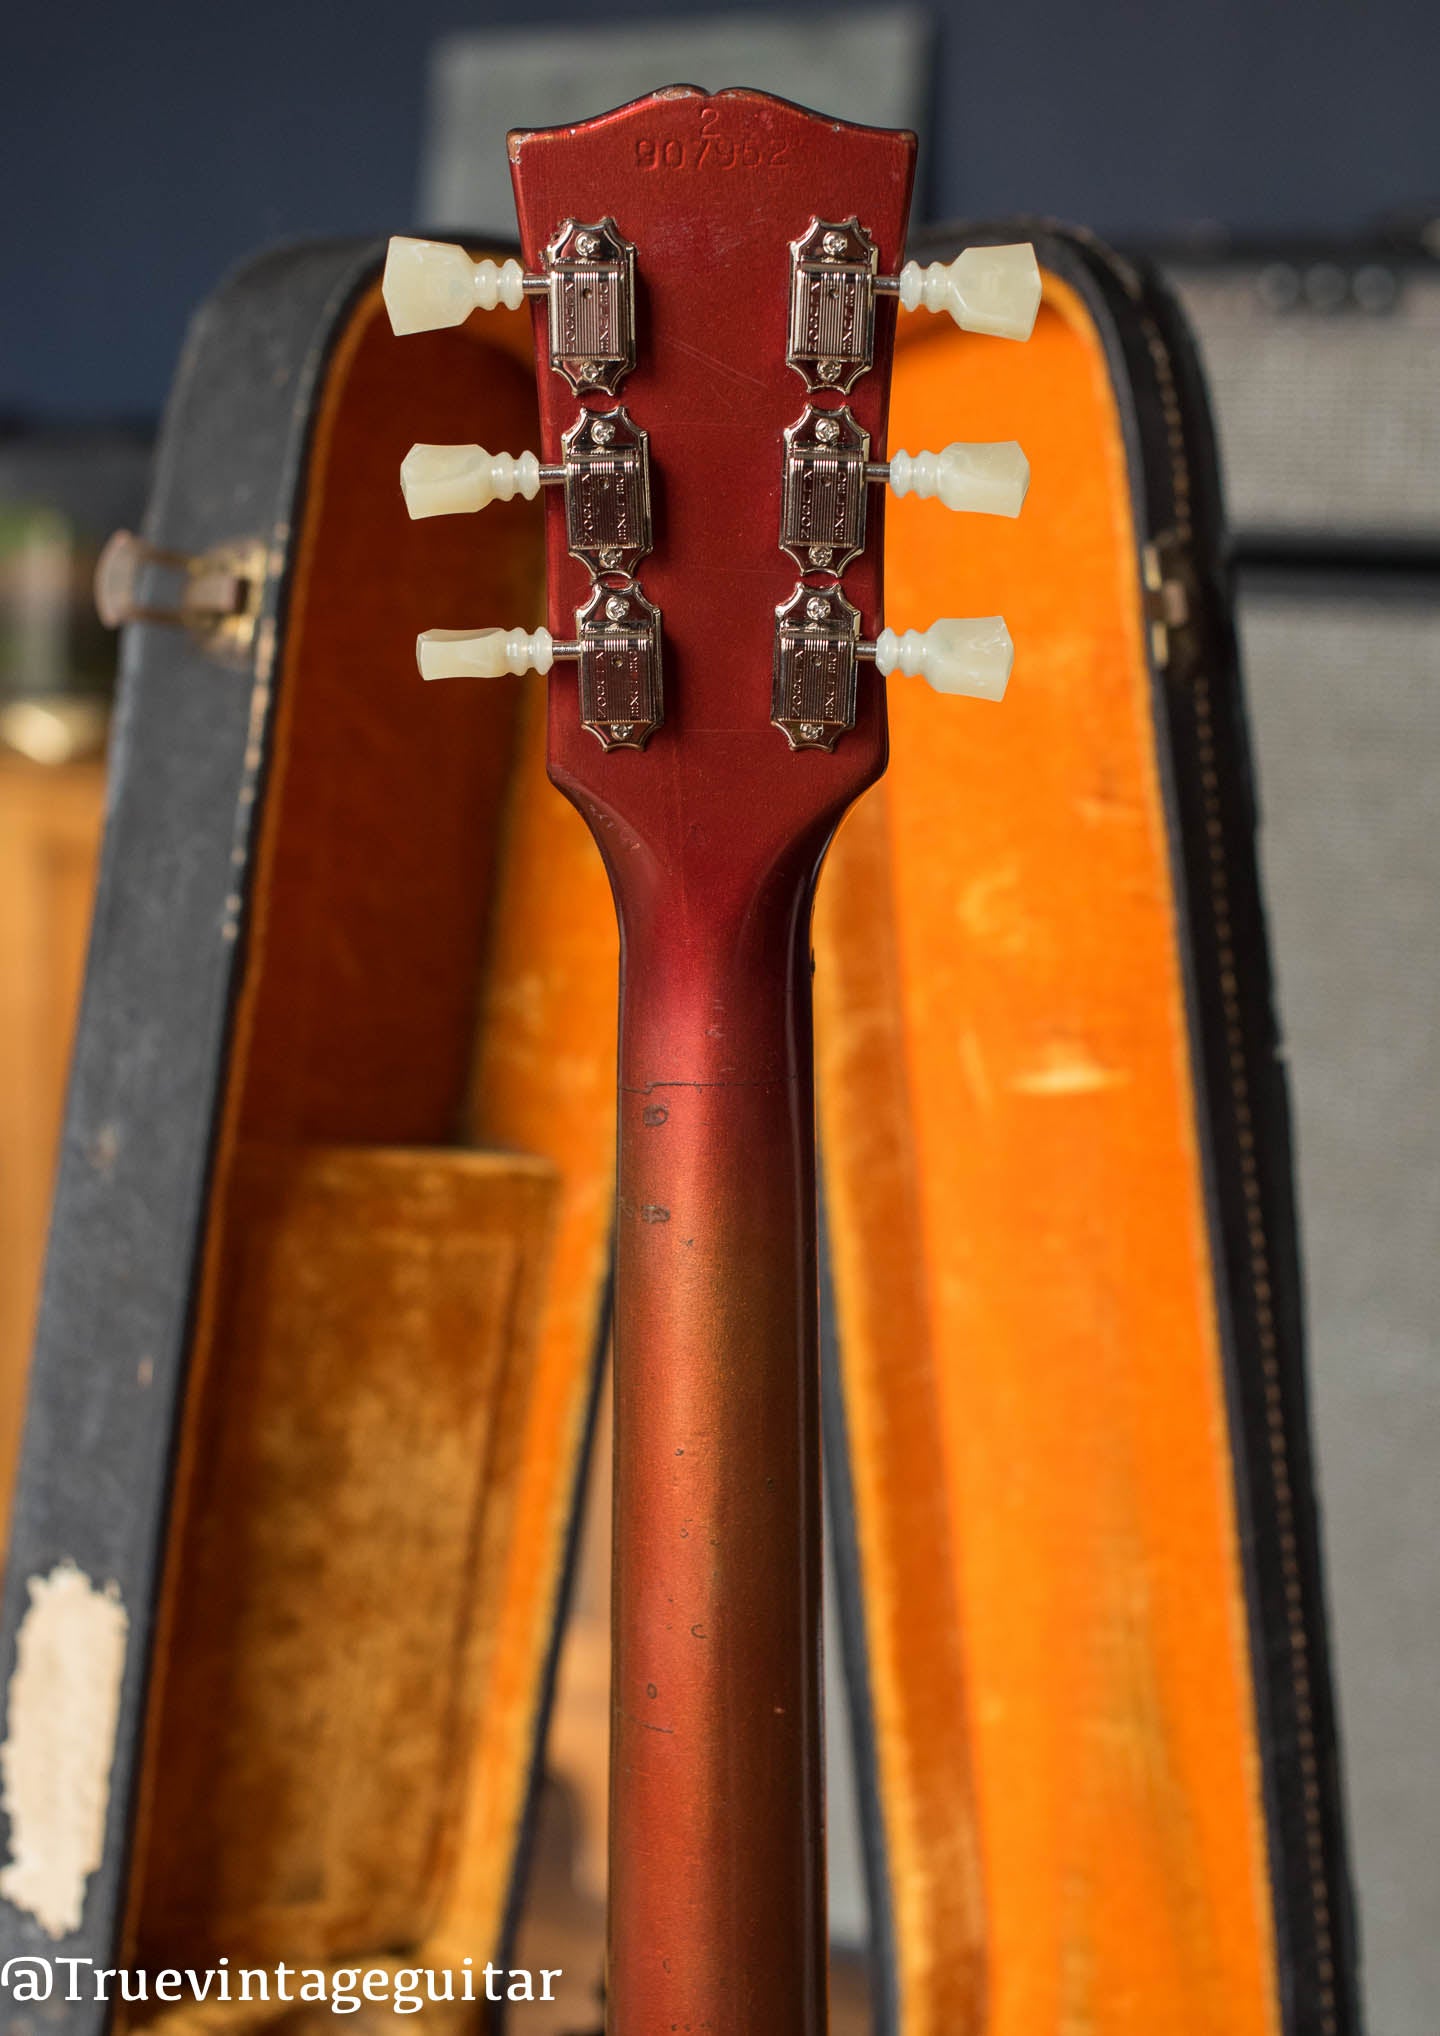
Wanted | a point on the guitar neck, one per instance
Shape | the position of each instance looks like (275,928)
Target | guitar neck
(716,1854)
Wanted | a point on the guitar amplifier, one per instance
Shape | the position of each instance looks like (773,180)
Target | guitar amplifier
(1323,364)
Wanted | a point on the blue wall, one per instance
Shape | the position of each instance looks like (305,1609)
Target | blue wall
(147,145)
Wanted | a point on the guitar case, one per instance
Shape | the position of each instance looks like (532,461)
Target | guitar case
(324,1296)
(326,1289)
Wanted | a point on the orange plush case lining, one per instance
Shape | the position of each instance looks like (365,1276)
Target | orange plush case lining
(1055,1611)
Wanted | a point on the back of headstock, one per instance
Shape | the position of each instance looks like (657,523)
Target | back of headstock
(714,190)
(733,264)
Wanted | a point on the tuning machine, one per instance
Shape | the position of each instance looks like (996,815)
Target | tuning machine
(834,283)
(828,471)
(588,280)
(818,647)
(605,472)
(616,646)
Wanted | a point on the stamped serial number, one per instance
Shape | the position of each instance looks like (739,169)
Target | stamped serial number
(710,150)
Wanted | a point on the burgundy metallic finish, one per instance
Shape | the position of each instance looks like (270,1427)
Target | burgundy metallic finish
(712,837)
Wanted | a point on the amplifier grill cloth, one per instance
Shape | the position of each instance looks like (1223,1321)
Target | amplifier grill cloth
(1344,700)
(1328,420)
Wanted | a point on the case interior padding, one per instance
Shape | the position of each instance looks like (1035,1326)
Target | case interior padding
(1055,1612)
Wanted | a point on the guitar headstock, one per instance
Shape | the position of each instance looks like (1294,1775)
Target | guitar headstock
(715,281)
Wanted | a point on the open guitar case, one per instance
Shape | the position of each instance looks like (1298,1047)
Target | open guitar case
(326,1291)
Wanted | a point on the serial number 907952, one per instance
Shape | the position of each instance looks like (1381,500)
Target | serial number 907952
(710,151)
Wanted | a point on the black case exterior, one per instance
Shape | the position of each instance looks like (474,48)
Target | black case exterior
(1323,358)
(1242,1123)
(187,773)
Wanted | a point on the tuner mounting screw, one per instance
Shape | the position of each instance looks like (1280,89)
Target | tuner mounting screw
(821,554)
(602,431)
(811,731)
(817,608)
(586,245)
(616,608)
(622,730)
(834,243)
(827,431)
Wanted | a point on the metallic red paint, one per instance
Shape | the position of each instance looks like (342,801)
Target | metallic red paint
(712,837)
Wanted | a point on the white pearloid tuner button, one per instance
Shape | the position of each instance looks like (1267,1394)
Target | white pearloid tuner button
(430,284)
(991,479)
(971,658)
(486,653)
(443,480)
(985,289)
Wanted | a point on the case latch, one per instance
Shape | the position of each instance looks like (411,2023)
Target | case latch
(215,594)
